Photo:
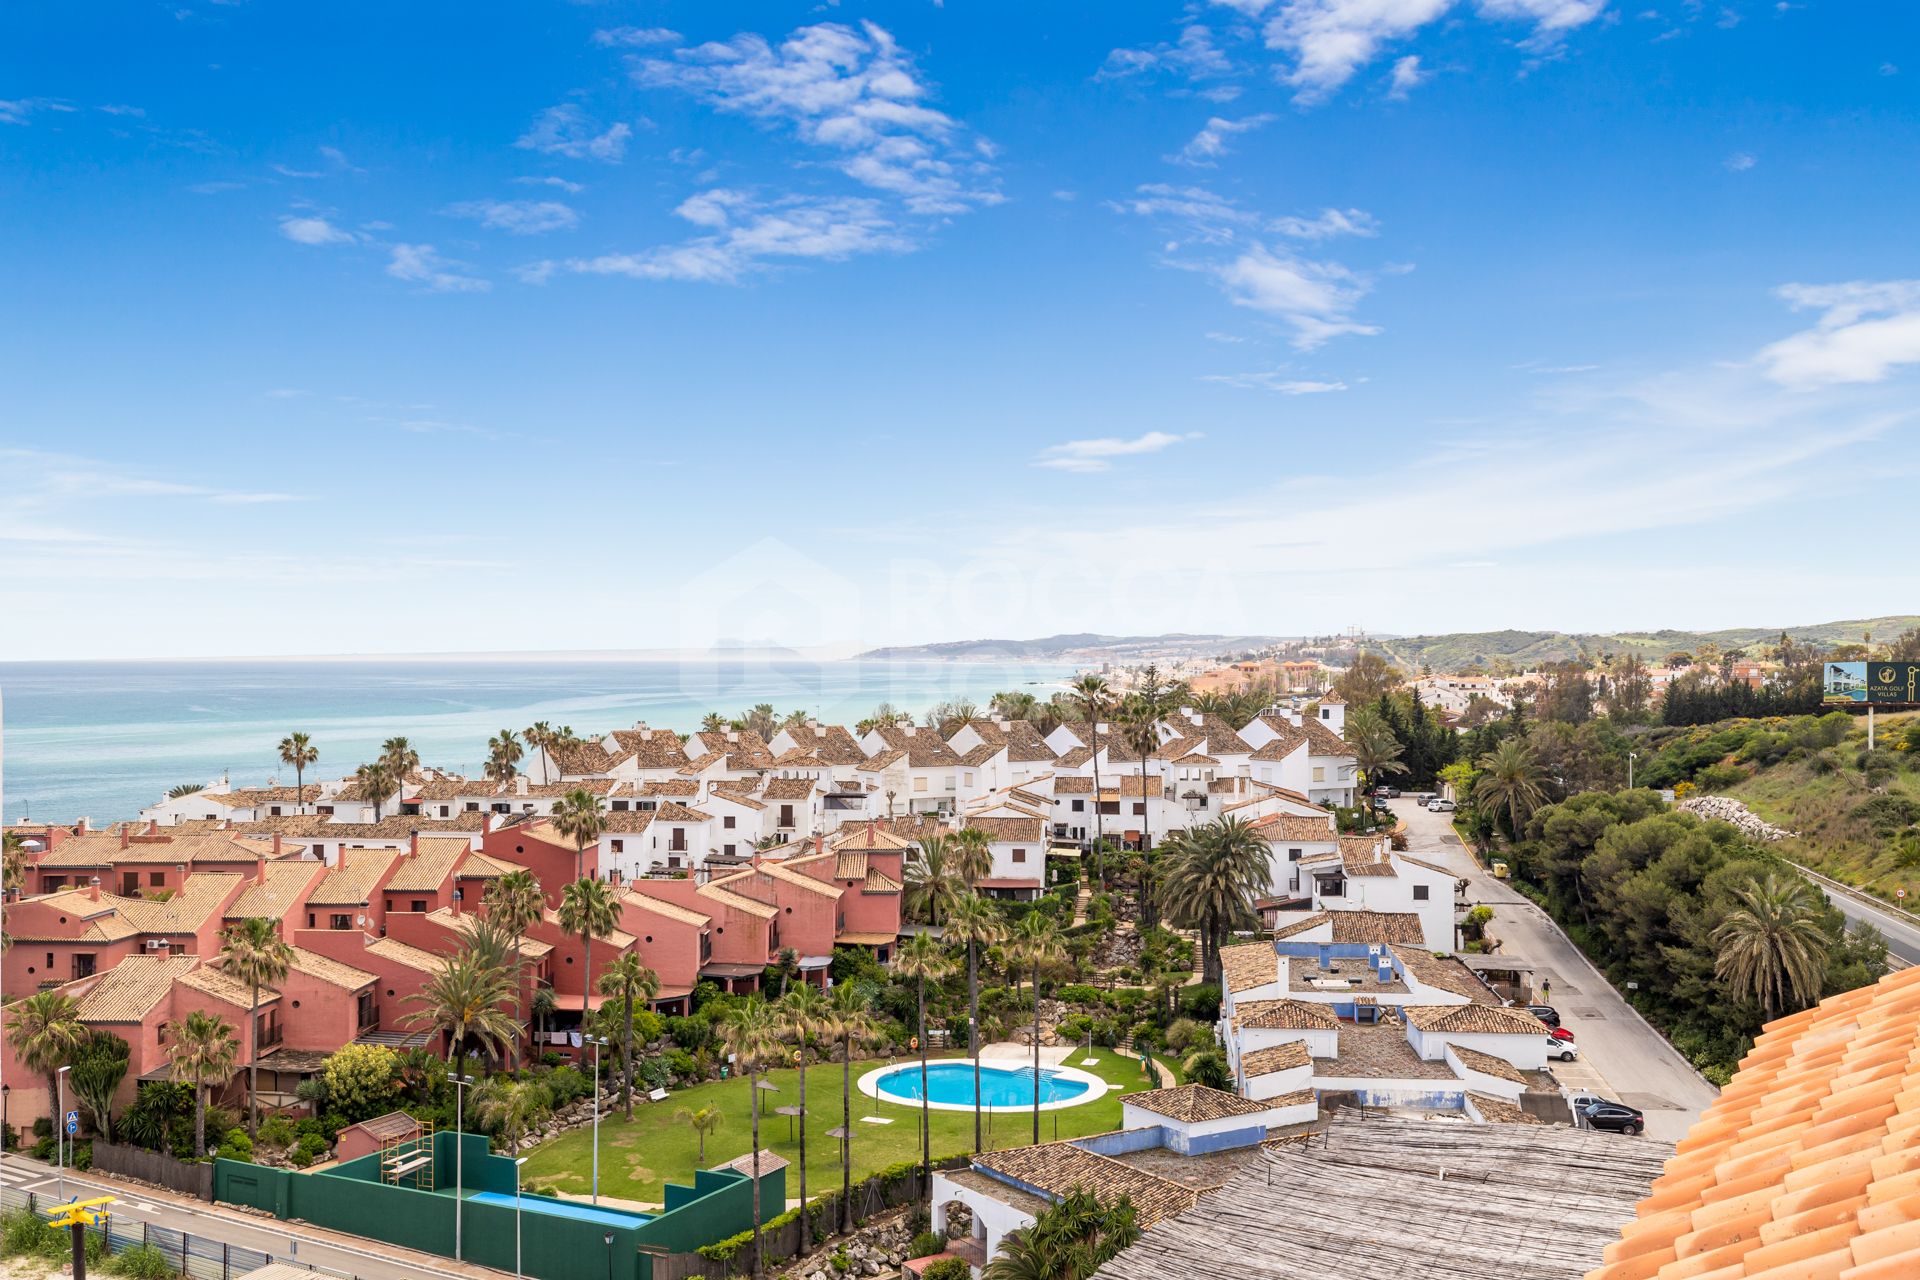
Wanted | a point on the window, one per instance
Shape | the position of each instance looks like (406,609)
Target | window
(83,965)
(678,841)
(418,904)
(949,782)
(338,921)
(967,778)
(1079,806)
(1319,773)
(727,849)
(1293,855)
(619,846)
(727,822)
(156,878)
(1139,807)
(1333,887)
(920,783)
(1420,893)
(1019,855)
(786,815)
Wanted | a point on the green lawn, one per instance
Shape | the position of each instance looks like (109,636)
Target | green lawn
(637,1158)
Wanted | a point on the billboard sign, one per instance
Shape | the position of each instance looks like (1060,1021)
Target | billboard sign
(1879,683)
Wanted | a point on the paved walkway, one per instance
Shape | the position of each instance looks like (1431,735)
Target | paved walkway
(1618,1049)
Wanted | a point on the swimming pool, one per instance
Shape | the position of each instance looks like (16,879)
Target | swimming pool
(561,1209)
(949,1086)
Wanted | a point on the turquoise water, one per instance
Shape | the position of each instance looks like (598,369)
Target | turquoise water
(952,1083)
(561,1209)
(103,739)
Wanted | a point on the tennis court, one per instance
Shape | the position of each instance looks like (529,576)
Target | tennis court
(561,1209)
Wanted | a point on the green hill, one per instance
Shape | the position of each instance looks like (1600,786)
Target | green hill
(1529,648)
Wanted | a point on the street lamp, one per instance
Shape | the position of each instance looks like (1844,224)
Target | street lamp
(609,1239)
(596,1042)
(460,1084)
(60,1129)
(516,1214)
(1631,757)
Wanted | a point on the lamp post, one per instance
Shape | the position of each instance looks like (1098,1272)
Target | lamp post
(60,1130)
(460,1084)
(609,1240)
(516,1214)
(596,1041)
(6,1134)
(1631,757)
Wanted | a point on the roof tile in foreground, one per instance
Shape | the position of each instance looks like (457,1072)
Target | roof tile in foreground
(1808,1166)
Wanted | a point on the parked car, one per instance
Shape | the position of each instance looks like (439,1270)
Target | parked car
(1615,1117)
(1562,1047)
(1386,793)
(1559,1033)
(1546,1013)
(1439,805)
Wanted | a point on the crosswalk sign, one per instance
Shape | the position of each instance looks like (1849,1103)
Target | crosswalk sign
(73,1122)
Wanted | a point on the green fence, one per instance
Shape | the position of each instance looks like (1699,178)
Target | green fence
(352,1198)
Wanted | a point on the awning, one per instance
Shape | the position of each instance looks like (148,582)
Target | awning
(810,963)
(1064,851)
(731,970)
(1494,962)
(572,1000)
(396,1039)
(995,882)
(874,939)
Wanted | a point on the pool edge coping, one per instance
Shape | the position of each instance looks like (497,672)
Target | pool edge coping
(1097,1088)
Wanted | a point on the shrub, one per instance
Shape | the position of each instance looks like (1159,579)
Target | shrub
(1078,993)
(1200,1002)
(689,1033)
(237,1147)
(312,1147)
(362,1080)
(277,1132)
(25,1232)
(926,1244)
(1184,1033)
(948,1269)
(567,1084)
(143,1262)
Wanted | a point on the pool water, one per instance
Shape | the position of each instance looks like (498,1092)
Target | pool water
(952,1083)
(561,1209)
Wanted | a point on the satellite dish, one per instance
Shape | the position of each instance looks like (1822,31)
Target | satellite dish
(361,921)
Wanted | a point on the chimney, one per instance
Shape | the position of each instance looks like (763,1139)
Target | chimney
(457,895)
(413,843)
(126,836)
(646,734)
(819,843)
(83,827)
(262,878)
(869,833)
(819,731)
(520,784)
(55,834)
(93,889)
(1380,853)
(1384,965)
(153,826)
(276,851)
(733,735)
(1102,729)
(906,728)
(340,862)
(486,822)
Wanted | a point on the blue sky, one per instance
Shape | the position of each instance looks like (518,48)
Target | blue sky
(394,328)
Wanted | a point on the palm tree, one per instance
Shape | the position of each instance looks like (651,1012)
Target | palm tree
(1140,716)
(542,737)
(1071,1240)
(515,903)
(751,1033)
(253,952)
(376,784)
(463,999)
(628,980)
(1036,942)
(978,924)
(920,960)
(13,863)
(297,752)
(1772,946)
(930,880)
(1511,779)
(511,1107)
(203,1049)
(578,816)
(503,753)
(704,1121)
(589,910)
(1090,693)
(1376,751)
(803,1013)
(1210,880)
(713,722)
(851,1022)
(45,1030)
(399,756)
(970,857)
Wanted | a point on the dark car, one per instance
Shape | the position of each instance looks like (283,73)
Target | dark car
(1616,1117)
(1546,1013)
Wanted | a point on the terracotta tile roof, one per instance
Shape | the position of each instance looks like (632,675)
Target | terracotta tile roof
(1381,1051)
(333,972)
(582,757)
(1175,748)
(479,866)
(1478,1019)
(1280,1057)
(462,923)
(771,871)
(741,795)
(428,870)
(979,755)
(261,797)
(129,991)
(740,748)
(701,763)
(739,902)
(790,788)
(868,835)
(1031,830)
(1284,1015)
(877,881)
(1194,1103)
(1249,965)
(1360,926)
(1366,856)
(1497,1110)
(102,849)
(1058,1168)
(103,919)
(829,742)
(1487,1063)
(673,811)
(670,787)
(406,956)
(1325,742)
(627,822)
(652,748)
(1112,742)
(286,881)
(666,910)
(211,980)
(1808,1164)
(1067,784)
(1444,972)
(924,747)
(352,885)
(199,896)
(1279,828)
(447,790)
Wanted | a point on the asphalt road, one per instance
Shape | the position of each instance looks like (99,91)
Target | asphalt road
(1621,1056)
(1901,930)
(349,1255)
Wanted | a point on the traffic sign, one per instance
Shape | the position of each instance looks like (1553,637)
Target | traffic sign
(73,1127)
(73,1117)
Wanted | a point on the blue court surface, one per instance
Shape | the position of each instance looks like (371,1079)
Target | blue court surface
(561,1209)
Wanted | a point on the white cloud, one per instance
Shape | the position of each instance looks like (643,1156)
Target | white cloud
(1208,145)
(1739,162)
(571,188)
(66,478)
(521,217)
(314,229)
(1407,76)
(1315,299)
(634,37)
(419,264)
(121,109)
(746,235)
(19,110)
(1866,330)
(853,93)
(1328,224)
(1098,454)
(568,131)
(1194,55)
(1278,382)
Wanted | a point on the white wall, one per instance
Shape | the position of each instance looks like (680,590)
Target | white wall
(1278,1083)
(1527,1052)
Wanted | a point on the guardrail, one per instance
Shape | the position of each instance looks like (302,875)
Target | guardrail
(194,1256)
(1864,899)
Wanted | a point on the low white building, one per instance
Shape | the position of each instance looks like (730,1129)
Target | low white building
(1365,874)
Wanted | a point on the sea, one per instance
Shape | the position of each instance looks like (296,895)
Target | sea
(104,739)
